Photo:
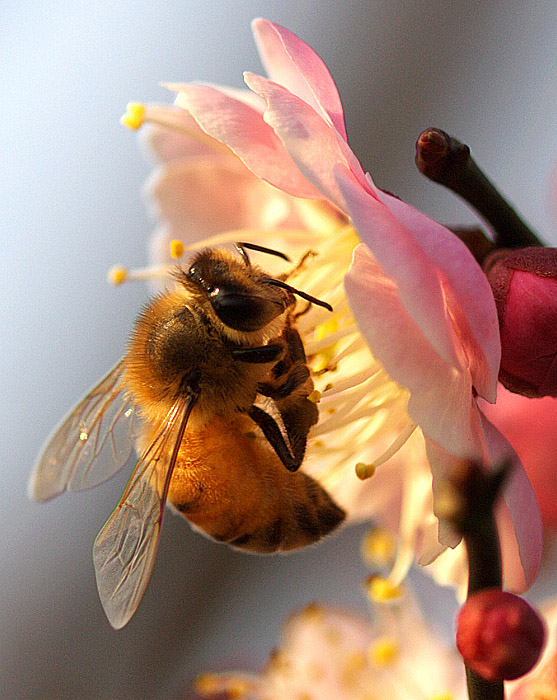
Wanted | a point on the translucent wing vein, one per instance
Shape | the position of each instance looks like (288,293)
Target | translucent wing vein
(92,442)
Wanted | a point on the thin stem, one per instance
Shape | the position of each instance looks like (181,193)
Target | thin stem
(470,497)
(444,160)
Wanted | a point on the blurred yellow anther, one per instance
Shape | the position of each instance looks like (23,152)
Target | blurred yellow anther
(449,503)
(383,651)
(207,684)
(315,396)
(380,589)
(365,471)
(442,696)
(133,118)
(354,664)
(355,661)
(333,635)
(280,662)
(176,249)
(315,672)
(237,688)
(313,612)
(378,547)
(117,275)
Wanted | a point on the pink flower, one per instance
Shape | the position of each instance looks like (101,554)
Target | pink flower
(418,297)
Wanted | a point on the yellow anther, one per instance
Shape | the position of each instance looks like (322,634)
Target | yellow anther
(207,684)
(383,651)
(133,118)
(378,547)
(176,249)
(365,471)
(442,696)
(380,589)
(315,396)
(117,275)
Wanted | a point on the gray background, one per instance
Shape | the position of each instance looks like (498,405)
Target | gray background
(71,180)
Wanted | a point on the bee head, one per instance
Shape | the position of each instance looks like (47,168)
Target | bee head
(241,295)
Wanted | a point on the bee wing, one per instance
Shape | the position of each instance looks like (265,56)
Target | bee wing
(91,443)
(125,548)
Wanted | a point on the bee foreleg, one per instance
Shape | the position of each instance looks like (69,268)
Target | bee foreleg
(259,355)
(294,378)
(276,439)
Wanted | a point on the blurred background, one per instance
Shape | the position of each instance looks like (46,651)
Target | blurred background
(71,180)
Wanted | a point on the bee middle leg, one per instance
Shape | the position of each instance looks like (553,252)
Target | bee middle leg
(270,428)
(289,386)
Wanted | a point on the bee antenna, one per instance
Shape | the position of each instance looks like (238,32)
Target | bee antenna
(303,295)
(241,248)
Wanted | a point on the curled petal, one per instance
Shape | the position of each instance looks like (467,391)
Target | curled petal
(313,143)
(441,399)
(518,517)
(467,291)
(293,64)
(241,127)
(419,282)
(170,133)
(530,425)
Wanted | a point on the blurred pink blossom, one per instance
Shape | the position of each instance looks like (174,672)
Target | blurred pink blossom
(328,653)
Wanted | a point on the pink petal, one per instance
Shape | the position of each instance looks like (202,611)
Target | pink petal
(469,289)
(440,395)
(172,133)
(240,126)
(518,518)
(293,64)
(313,143)
(419,282)
(181,190)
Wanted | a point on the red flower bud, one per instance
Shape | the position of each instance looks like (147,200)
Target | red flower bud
(524,284)
(499,635)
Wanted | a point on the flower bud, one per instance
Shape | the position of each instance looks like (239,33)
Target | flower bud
(524,284)
(499,635)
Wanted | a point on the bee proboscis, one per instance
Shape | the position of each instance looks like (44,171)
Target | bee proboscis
(213,394)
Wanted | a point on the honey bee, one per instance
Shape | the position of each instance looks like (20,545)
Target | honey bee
(213,394)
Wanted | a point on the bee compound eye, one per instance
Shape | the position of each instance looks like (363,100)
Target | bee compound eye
(244,312)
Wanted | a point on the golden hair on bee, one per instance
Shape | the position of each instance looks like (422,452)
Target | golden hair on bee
(213,395)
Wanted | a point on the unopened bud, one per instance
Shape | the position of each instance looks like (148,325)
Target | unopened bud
(499,635)
(524,283)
